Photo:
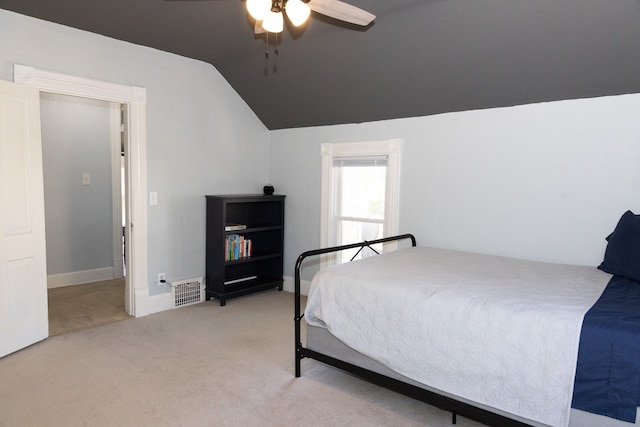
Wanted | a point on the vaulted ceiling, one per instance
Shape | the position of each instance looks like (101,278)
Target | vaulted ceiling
(418,58)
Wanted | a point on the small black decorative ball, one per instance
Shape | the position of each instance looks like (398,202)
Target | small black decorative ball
(268,189)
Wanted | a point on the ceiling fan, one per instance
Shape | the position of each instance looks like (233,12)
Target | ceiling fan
(269,14)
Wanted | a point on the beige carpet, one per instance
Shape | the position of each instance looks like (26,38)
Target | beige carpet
(199,365)
(73,308)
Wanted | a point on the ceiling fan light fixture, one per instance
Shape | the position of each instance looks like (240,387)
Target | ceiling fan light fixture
(273,22)
(297,12)
(258,8)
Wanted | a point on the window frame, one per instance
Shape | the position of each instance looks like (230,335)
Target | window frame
(392,149)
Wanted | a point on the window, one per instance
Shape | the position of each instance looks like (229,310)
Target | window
(360,192)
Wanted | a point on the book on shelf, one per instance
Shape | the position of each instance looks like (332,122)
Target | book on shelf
(237,247)
(231,227)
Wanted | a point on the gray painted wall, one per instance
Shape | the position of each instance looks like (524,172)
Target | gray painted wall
(76,139)
(543,181)
(202,138)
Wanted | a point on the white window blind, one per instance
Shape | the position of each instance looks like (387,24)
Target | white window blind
(359,161)
(360,192)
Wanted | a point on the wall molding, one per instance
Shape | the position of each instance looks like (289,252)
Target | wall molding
(79,277)
(49,81)
(161,302)
(289,285)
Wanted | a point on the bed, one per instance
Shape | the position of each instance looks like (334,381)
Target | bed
(494,339)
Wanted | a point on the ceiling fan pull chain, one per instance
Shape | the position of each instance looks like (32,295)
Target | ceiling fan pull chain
(266,52)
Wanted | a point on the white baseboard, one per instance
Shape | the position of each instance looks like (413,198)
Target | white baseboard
(160,302)
(142,301)
(118,268)
(79,277)
(289,285)
(164,301)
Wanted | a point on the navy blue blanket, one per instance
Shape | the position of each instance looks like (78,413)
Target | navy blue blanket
(608,371)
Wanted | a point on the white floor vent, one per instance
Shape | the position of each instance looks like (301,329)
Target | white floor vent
(187,292)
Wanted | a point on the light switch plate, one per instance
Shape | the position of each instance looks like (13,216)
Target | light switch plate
(153,198)
(86,179)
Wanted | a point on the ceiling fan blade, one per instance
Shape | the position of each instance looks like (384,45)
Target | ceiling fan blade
(342,11)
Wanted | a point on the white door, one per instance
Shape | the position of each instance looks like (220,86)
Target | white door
(23,270)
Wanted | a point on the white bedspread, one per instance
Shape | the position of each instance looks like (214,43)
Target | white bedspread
(494,330)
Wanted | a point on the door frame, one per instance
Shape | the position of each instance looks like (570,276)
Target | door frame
(117,135)
(135,99)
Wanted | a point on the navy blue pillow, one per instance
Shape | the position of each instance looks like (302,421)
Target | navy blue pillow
(622,256)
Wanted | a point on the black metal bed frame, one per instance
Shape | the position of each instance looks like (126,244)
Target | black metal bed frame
(443,402)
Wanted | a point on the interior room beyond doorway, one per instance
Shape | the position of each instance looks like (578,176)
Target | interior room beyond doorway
(83,151)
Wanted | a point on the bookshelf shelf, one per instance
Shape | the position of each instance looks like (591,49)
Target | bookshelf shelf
(253,258)
(257,266)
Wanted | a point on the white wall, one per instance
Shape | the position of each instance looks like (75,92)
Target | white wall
(198,129)
(544,182)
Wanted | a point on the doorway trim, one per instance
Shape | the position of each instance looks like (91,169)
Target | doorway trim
(117,205)
(135,99)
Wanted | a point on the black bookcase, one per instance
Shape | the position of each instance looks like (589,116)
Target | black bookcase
(263,217)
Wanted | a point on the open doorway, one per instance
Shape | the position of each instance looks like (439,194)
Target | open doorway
(134,99)
(83,143)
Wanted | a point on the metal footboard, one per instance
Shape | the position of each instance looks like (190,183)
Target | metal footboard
(446,403)
(301,352)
